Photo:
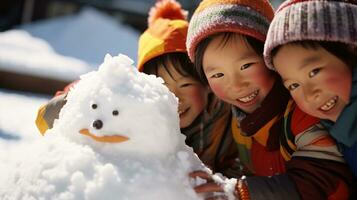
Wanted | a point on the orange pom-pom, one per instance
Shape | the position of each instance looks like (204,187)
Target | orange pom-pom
(168,9)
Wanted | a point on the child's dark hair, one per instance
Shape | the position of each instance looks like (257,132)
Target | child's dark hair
(344,52)
(180,61)
(255,44)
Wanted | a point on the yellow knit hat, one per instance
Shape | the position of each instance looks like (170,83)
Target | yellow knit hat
(166,33)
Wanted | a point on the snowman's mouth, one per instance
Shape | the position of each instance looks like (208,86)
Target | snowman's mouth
(106,138)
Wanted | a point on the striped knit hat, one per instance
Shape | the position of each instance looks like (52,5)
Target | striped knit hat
(247,17)
(318,20)
(166,33)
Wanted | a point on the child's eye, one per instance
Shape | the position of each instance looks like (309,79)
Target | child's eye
(293,86)
(218,75)
(313,72)
(185,85)
(245,66)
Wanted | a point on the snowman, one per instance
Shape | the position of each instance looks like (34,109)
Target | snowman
(117,137)
(118,110)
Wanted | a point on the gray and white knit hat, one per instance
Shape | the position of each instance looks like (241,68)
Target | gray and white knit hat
(247,17)
(319,20)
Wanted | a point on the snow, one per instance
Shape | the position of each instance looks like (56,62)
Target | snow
(151,163)
(24,54)
(88,35)
(18,114)
(63,48)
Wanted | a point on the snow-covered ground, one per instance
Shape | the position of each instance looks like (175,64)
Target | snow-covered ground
(17,118)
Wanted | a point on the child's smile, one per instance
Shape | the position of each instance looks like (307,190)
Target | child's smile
(183,111)
(329,104)
(249,99)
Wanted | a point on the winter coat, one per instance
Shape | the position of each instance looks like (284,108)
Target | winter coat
(345,128)
(291,154)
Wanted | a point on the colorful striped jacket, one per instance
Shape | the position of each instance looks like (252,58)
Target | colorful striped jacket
(305,163)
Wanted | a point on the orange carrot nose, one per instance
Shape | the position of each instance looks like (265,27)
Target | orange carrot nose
(109,139)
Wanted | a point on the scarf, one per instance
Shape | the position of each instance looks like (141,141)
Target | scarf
(273,105)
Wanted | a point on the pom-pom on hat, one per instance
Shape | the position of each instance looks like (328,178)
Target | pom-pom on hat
(166,33)
(247,17)
(318,20)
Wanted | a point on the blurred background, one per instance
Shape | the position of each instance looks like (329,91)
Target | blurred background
(46,44)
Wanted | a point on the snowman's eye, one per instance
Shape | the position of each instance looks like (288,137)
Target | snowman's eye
(94,106)
(115,112)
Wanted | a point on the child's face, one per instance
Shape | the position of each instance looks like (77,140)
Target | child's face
(236,74)
(191,93)
(318,81)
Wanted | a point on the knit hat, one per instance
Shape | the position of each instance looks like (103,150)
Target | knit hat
(247,17)
(297,20)
(166,33)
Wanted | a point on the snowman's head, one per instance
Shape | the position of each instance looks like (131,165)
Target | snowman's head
(120,110)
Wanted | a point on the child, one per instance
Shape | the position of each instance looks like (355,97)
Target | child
(294,157)
(203,119)
(318,64)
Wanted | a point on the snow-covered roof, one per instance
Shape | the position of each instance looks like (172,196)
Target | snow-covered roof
(65,47)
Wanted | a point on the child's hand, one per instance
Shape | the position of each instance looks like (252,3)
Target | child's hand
(209,186)
(213,186)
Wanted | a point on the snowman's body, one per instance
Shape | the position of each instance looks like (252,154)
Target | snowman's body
(117,137)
